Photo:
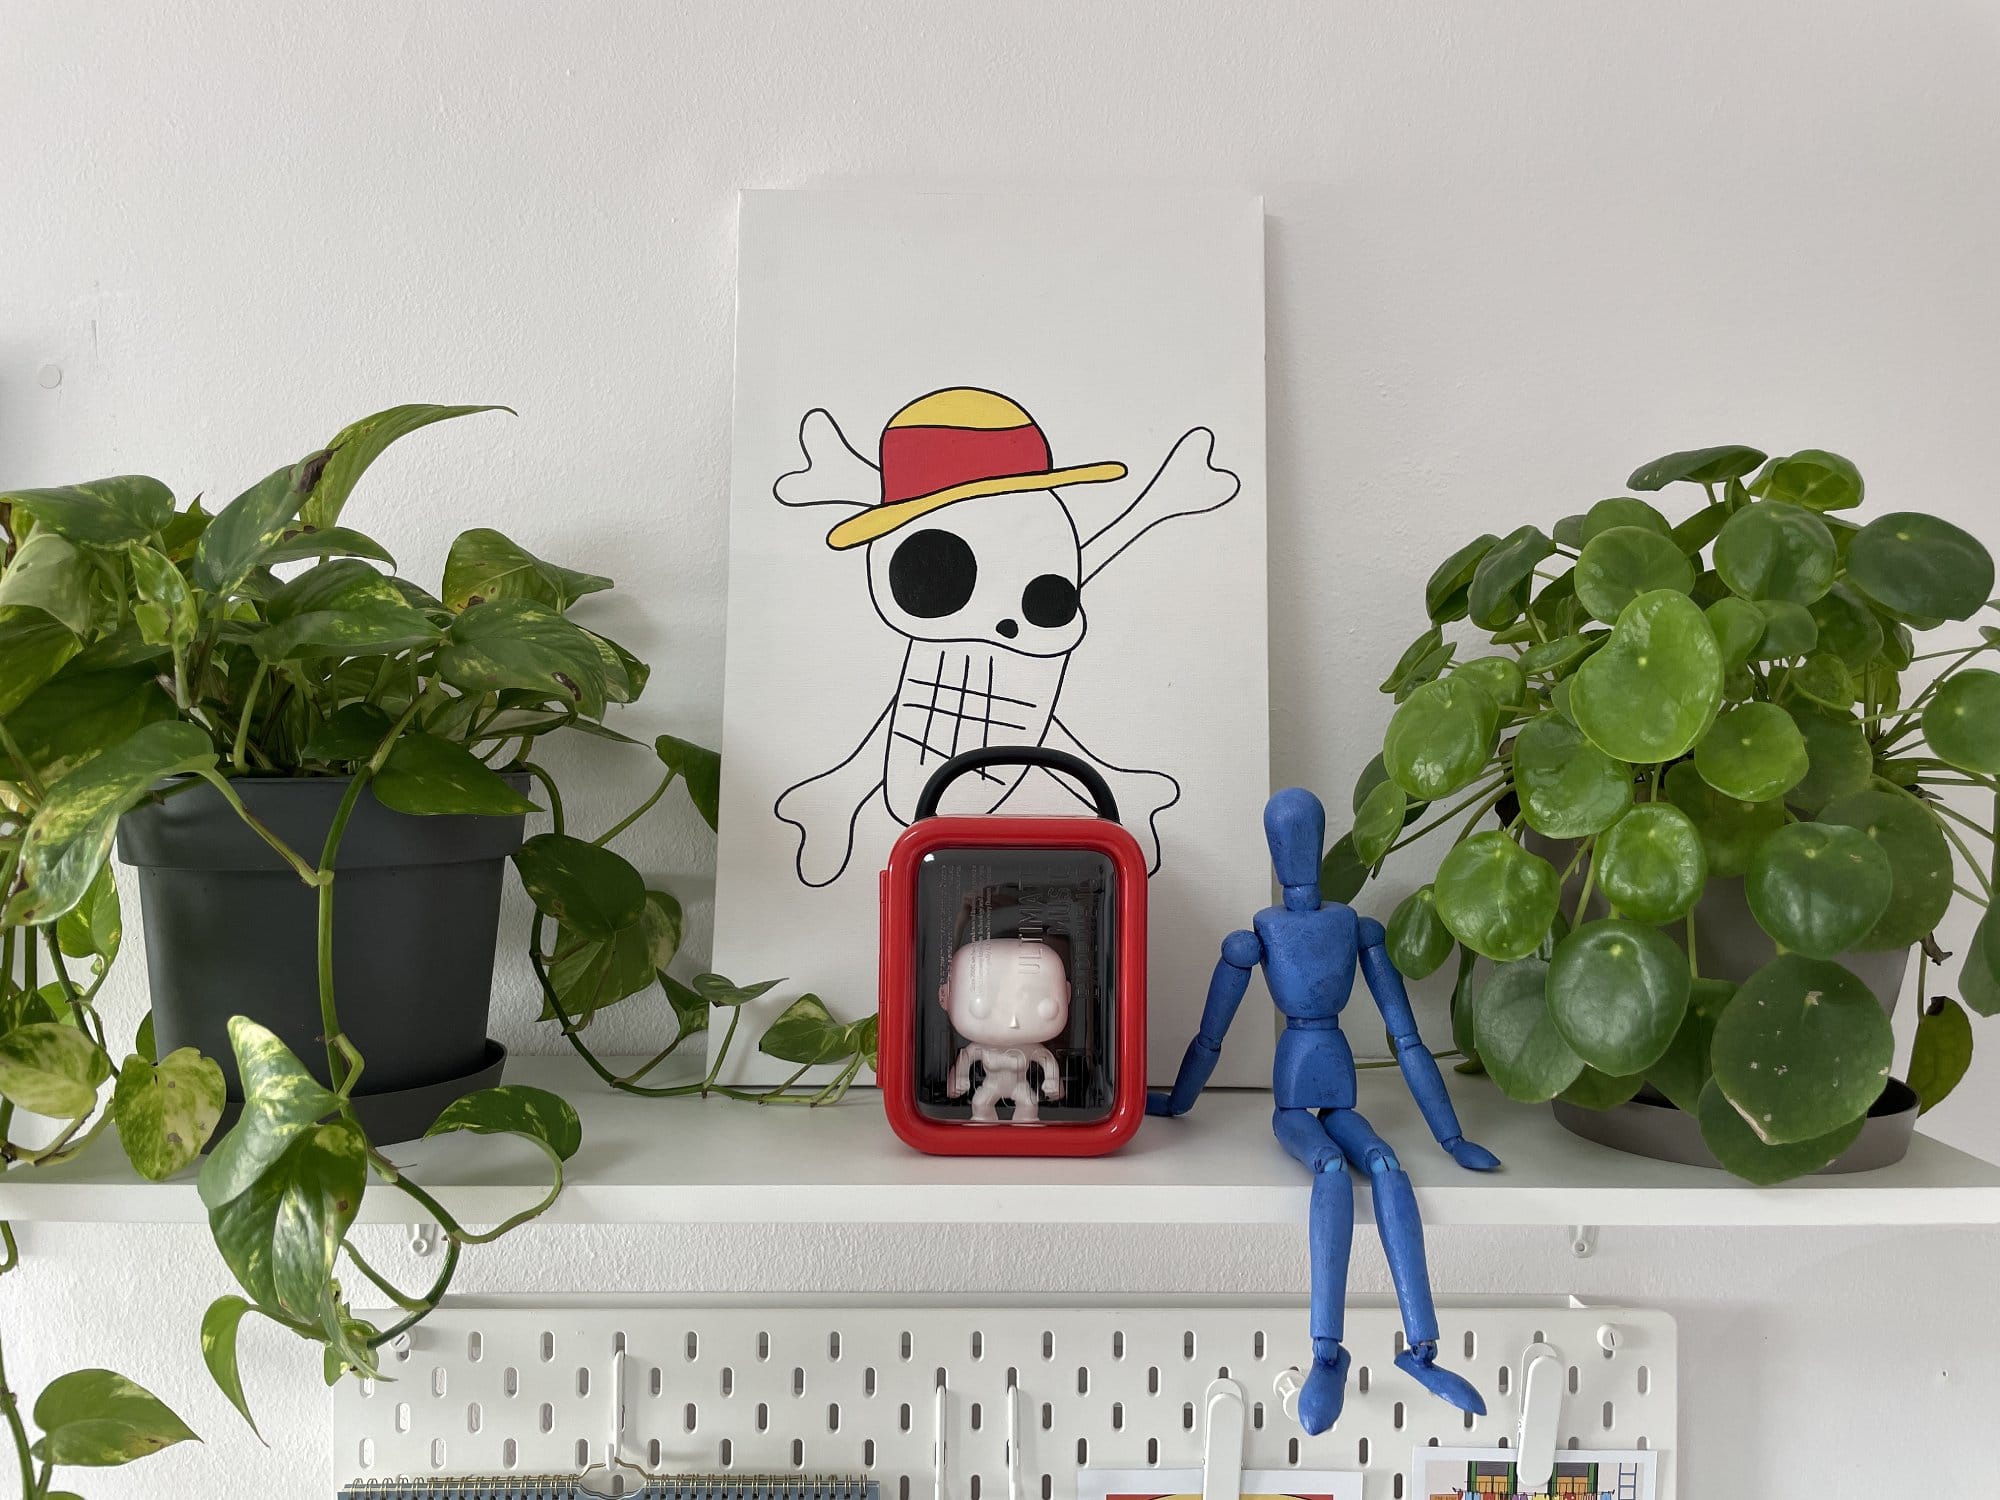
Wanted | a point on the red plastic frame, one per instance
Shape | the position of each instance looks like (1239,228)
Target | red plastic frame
(897,1070)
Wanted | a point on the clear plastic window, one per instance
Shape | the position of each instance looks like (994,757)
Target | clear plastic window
(1017,998)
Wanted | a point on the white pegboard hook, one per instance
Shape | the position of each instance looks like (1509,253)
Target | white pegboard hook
(1222,1441)
(1013,1437)
(938,1448)
(1541,1416)
(614,1461)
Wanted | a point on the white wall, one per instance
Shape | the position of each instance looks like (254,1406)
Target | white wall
(1514,249)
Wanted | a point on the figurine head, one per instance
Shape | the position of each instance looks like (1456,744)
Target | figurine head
(1007,992)
(1295,827)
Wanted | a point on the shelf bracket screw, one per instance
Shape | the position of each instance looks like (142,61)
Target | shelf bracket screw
(1583,1240)
(423,1239)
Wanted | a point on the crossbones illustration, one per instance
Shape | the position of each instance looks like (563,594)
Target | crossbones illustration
(976,560)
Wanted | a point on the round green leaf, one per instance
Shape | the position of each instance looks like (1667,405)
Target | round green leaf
(1618,565)
(1920,567)
(1568,787)
(1802,1050)
(1683,1070)
(1517,1040)
(1919,857)
(1418,940)
(1556,657)
(1619,510)
(1838,758)
(1618,991)
(1789,631)
(1730,828)
(1445,594)
(1698,466)
(1500,584)
(1962,721)
(1848,627)
(95,1419)
(1753,752)
(1812,477)
(1942,1051)
(1501,676)
(1819,888)
(1403,674)
(1648,694)
(1341,872)
(1772,550)
(1823,678)
(1650,864)
(1440,738)
(590,890)
(1595,1090)
(1496,897)
(1727,1134)
(1979,975)
(1378,822)
(1738,626)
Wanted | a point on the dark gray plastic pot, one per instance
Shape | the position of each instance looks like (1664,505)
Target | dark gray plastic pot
(231,930)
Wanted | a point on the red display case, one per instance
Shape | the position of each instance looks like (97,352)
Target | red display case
(1013,964)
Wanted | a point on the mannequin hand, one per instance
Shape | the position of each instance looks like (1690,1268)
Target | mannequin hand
(1472,1157)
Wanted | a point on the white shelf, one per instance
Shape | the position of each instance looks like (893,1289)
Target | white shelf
(687,1161)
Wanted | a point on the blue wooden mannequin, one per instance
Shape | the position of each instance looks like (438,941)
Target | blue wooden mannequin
(1309,949)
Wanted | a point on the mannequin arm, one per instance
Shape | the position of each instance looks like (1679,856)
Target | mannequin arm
(1241,952)
(1419,1068)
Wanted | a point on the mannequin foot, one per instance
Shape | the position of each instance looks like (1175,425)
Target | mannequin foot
(1418,1362)
(1325,1390)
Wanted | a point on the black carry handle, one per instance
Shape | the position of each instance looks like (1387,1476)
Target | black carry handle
(1017,755)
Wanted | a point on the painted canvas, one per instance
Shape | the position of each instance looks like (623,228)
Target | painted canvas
(997,479)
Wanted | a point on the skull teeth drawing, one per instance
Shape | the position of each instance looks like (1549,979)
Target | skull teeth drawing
(976,560)
(955,698)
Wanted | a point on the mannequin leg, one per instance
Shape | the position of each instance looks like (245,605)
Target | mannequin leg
(1330,1237)
(1403,1245)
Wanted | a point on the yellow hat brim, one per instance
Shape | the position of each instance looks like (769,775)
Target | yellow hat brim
(879,520)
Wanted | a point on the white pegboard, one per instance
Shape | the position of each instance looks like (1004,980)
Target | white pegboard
(851,1387)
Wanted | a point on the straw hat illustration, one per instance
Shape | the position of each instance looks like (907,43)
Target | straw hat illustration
(959,444)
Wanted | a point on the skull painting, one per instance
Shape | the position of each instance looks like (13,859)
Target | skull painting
(975,559)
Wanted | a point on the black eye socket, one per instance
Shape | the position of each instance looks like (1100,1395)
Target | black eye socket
(932,574)
(1049,600)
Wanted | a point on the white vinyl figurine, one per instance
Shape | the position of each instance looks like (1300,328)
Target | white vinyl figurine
(1006,997)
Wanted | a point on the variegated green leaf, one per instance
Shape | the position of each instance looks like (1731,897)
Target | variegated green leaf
(166,1111)
(484,564)
(281,1101)
(95,1419)
(50,574)
(515,1109)
(51,1069)
(359,444)
(102,513)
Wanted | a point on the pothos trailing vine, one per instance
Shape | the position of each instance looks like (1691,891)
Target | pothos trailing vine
(614,938)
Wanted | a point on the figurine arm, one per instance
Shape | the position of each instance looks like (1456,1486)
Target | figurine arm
(960,1081)
(1419,1068)
(1241,952)
(1052,1081)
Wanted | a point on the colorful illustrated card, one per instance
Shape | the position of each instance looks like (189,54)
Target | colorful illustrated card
(1489,1474)
(1185,1484)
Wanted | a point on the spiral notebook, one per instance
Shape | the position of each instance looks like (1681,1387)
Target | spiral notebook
(573,1487)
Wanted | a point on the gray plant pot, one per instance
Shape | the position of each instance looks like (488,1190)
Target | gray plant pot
(1730,945)
(231,930)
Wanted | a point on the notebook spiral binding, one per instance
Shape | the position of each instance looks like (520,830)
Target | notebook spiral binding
(570,1487)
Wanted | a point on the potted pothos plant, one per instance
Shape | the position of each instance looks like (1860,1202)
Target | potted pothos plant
(1705,793)
(320,769)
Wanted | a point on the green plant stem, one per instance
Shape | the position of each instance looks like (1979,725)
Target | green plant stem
(11,1405)
(1972,860)
(257,826)
(1445,817)
(79,1009)
(29,779)
(636,813)
(249,707)
(728,1036)
(549,787)
(1583,895)
(382,1283)
(656,1059)
(329,1016)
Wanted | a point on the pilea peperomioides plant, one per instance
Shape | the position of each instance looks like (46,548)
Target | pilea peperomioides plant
(1660,707)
